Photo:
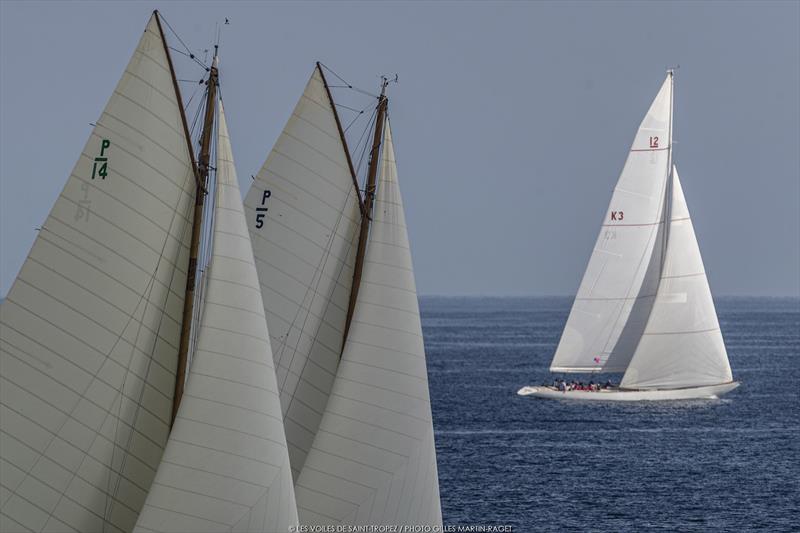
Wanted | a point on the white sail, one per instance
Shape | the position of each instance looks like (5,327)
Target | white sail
(614,299)
(226,467)
(373,459)
(682,344)
(90,328)
(302,213)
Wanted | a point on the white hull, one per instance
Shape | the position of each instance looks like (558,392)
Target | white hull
(709,392)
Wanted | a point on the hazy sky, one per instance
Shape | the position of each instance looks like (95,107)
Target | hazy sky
(511,120)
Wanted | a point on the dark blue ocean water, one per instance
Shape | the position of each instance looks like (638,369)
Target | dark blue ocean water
(724,465)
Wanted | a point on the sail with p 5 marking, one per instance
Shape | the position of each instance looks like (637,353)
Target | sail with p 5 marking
(345,330)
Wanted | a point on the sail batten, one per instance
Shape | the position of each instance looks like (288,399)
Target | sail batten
(373,459)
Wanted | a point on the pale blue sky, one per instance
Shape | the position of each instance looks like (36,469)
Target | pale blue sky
(511,120)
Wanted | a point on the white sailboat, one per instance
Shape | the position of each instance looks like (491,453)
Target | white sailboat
(340,299)
(96,329)
(644,307)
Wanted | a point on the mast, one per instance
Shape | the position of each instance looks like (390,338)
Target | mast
(200,194)
(668,186)
(366,213)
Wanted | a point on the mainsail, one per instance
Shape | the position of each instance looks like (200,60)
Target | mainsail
(90,328)
(303,215)
(682,344)
(373,460)
(614,299)
(226,466)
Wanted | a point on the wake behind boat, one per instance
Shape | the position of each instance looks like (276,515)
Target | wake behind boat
(644,307)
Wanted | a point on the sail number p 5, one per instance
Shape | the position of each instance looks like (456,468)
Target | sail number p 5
(101,160)
(261,212)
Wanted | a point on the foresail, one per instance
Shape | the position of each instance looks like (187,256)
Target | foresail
(373,459)
(614,299)
(303,216)
(90,328)
(682,344)
(226,466)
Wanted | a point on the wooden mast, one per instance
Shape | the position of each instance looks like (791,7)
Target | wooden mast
(366,214)
(200,194)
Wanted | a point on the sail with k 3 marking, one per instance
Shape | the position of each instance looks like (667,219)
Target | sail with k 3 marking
(89,331)
(682,344)
(373,460)
(618,288)
(303,215)
(226,467)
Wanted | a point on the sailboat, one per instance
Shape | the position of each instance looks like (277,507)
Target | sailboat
(644,307)
(106,423)
(139,342)
(339,294)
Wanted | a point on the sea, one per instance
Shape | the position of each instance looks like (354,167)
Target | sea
(731,464)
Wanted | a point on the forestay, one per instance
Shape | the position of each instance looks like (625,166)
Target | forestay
(303,216)
(91,325)
(682,344)
(373,460)
(226,467)
(617,291)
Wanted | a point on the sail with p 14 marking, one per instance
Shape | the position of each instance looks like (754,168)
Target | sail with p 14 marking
(373,460)
(618,288)
(303,215)
(226,467)
(89,331)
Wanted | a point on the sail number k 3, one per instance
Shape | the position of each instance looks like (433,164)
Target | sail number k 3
(617,215)
(102,160)
(261,212)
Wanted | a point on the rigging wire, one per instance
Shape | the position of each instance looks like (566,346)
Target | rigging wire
(347,84)
(188,50)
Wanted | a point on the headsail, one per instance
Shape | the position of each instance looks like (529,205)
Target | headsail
(373,459)
(618,288)
(226,466)
(682,344)
(303,216)
(90,327)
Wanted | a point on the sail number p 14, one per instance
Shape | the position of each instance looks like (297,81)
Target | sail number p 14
(262,211)
(102,160)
